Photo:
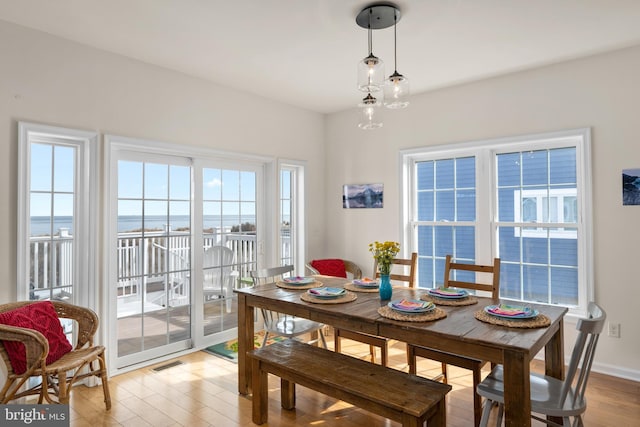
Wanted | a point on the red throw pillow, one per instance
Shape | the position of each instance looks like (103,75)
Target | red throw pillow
(39,316)
(330,267)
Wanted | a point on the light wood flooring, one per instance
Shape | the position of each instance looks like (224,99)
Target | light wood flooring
(202,391)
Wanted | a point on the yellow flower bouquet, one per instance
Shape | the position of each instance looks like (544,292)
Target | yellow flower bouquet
(384,253)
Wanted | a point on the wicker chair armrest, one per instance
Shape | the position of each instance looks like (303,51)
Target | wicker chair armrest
(310,269)
(86,318)
(35,344)
(349,266)
(353,268)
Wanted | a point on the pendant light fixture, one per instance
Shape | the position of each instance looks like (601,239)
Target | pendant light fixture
(369,113)
(371,68)
(395,88)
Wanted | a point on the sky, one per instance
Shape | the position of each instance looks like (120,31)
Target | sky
(165,186)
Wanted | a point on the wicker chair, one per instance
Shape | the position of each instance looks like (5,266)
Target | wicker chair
(79,362)
(349,266)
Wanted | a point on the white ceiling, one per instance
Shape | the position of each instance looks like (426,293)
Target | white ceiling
(304,52)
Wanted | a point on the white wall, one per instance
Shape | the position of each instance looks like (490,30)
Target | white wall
(601,92)
(49,80)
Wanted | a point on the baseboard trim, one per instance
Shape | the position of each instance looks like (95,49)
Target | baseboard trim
(604,368)
(616,371)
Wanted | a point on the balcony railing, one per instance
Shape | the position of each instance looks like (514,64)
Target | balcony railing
(144,262)
(51,263)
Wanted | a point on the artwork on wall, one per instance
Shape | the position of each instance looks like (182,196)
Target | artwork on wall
(631,186)
(362,196)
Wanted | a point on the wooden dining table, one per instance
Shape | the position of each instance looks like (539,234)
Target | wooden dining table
(459,332)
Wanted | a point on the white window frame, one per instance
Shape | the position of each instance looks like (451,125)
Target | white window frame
(485,152)
(85,207)
(298,235)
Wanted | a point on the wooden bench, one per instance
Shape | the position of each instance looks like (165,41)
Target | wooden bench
(393,394)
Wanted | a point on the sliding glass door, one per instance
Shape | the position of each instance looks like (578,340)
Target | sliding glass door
(229,232)
(153,291)
(184,234)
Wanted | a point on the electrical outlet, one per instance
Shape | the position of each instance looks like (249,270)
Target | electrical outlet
(614,330)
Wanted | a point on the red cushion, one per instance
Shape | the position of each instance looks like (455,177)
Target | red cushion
(330,267)
(42,317)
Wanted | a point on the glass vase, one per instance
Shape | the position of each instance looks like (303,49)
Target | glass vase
(385,287)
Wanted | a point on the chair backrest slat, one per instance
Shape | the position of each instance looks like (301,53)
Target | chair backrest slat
(493,287)
(584,350)
(585,370)
(410,278)
(269,275)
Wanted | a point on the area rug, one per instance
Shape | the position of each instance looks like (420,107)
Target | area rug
(229,350)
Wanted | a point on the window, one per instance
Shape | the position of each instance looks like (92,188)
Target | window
(445,221)
(286,202)
(525,200)
(56,235)
(290,215)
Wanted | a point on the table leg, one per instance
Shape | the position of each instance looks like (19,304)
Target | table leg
(554,354)
(287,394)
(259,404)
(245,344)
(554,359)
(517,392)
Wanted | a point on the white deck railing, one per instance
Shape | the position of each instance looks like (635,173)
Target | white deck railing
(166,256)
(51,261)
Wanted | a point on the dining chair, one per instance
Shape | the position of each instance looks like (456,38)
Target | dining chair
(459,275)
(219,278)
(279,324)
(398,270)
(335,267)
(551,396)
(34,344)
(398,273)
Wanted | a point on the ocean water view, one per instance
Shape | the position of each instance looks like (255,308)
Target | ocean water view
(40,225)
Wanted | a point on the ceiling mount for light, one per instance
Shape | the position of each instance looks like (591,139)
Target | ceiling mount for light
(382,16)
(371,68)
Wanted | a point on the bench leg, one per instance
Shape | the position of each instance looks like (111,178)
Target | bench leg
(260,399)
(411,421)
(439,417)
(287,394)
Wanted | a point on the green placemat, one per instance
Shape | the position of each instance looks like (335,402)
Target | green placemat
(229,350)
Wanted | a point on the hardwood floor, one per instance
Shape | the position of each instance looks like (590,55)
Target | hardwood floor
(202,391)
